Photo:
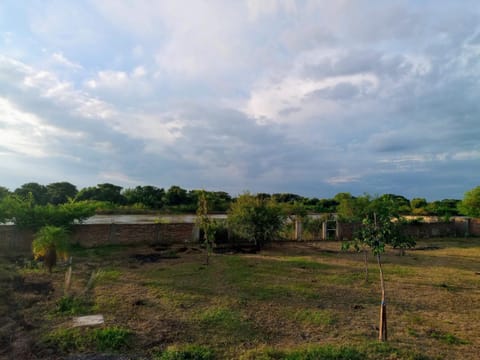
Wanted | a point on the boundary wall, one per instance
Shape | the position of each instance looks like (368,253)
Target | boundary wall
(15,241)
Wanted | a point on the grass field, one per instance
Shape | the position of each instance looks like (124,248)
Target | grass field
(291,301)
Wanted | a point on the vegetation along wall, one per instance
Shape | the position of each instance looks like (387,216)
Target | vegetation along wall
(14,241)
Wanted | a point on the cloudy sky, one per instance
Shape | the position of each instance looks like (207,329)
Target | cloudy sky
(310,97)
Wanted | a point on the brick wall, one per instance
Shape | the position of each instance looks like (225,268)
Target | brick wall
(419,230)
(14,241)
(101,234)
(474,228)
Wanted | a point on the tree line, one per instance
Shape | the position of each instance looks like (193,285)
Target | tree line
(115,198)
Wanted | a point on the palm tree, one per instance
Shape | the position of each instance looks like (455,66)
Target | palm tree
(50,242)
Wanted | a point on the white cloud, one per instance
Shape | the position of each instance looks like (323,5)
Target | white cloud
(27,134)
(60,59)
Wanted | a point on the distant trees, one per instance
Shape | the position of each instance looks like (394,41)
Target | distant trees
(4,192)
(470,205)
(39,192)
(103,192)
(148,196)
(444,208)
(179,200)
(60,192)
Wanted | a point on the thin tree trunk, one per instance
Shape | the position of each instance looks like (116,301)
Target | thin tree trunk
(382,328)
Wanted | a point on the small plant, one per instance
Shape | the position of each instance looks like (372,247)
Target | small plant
(111,338)
(190,352)
(70,305)
(206,224)
(50,242)
(446,338)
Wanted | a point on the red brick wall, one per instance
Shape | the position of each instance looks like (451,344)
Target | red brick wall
(101,234)
(14,241)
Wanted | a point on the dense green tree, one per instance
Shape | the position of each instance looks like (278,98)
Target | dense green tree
(287,198)
(60,192)
(39,192)
(445,208)
(4,192)
(418,206)
(351,208)
(326,206)
(399,203)
(103,192)
(254,219)
(176,196)
(150,196)
(470,205)
(26,214)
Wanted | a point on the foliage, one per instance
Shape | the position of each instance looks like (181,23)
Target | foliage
(104,339)
(61,192)
(470,205)
(351,208)
(190,352)
(48,237)
(103,192)
(445,208)
(50,242)
(206,224)
(256,220)
(35,190)
(176,196)
(4,192)
(26,214)
(70,305)
(149,196)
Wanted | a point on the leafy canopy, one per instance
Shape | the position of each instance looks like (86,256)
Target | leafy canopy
(255,219)
(470,205)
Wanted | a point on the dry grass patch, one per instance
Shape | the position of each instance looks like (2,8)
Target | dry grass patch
(287,302)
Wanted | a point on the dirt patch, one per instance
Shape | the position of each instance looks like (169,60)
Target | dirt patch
(146,258)
(32,286)
(430,247)
(98,357)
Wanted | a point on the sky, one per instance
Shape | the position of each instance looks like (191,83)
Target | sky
(308,97)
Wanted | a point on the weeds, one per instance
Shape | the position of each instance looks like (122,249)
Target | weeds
(190,352)
(104,339)
(315,317)
(70,305)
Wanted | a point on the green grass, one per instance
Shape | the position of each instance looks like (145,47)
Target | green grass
(189,352)
(70,305)
(315,317)
(292,302)
(103,339)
